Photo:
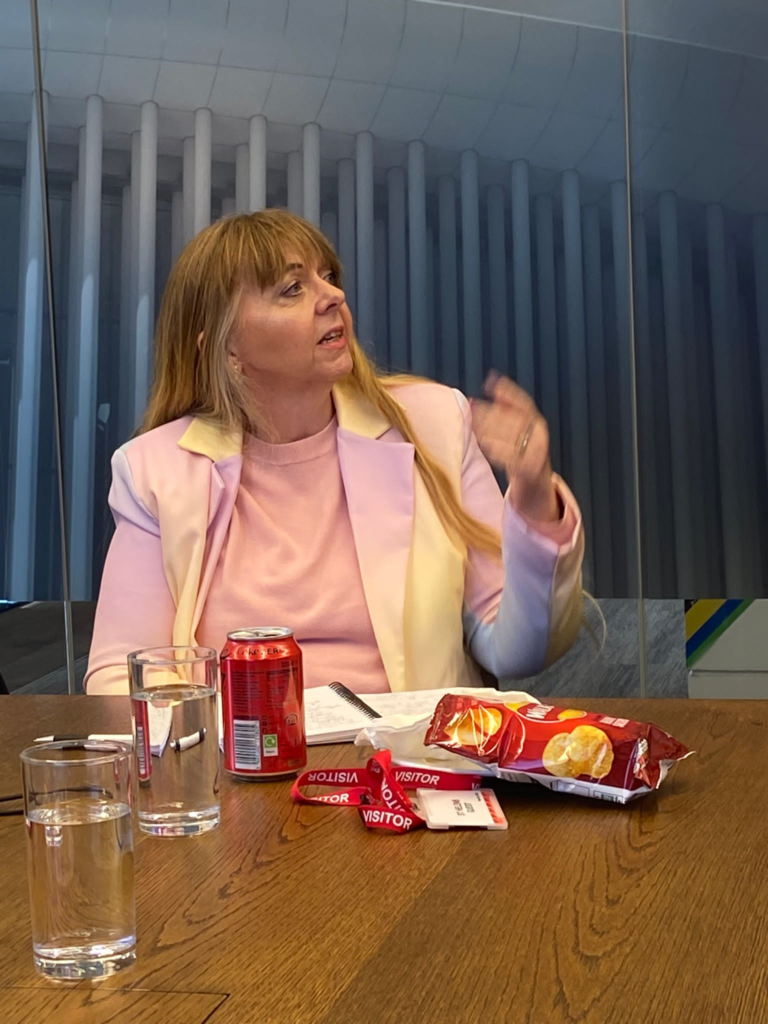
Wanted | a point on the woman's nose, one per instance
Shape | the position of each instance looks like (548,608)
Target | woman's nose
(331,295)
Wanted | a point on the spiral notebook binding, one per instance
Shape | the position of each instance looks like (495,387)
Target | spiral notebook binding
(352,698)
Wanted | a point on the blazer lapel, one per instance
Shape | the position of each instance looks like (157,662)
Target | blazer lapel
(201,526)
(378,482)
(225,478)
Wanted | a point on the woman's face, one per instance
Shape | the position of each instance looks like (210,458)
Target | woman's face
(295,332)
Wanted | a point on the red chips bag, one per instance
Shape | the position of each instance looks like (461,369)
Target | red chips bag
(566,750)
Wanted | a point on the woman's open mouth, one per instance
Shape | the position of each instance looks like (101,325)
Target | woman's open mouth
(333,339)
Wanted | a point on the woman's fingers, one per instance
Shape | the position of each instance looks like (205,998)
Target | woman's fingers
(506,392)
(501,420)
(506,435)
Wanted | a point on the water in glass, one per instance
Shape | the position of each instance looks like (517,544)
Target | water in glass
(178,792)
(81,887)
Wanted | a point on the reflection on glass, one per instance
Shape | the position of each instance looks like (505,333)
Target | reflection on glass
(700,196)
(32,644)
(24,438)
(471,197)
(29,523)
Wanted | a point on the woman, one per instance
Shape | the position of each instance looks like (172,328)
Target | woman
(279,480)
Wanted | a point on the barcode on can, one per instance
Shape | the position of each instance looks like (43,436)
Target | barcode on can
(140,751)
(247,735)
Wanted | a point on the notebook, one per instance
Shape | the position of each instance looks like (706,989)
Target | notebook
(160,721)
(334,714)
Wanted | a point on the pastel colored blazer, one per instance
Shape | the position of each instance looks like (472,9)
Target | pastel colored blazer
(436,610)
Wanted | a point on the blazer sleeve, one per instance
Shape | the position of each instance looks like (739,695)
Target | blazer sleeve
(135,608)
(523,614)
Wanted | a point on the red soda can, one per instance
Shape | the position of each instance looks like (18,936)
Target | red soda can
(141,740)
(262,699)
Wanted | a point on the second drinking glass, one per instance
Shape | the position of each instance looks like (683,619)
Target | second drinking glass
(175,739)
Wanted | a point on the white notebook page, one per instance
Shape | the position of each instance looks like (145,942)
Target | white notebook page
(328,717)
(328,714)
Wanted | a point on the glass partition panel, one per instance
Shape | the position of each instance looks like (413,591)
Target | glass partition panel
(698,88)
(467,160)
(32,634)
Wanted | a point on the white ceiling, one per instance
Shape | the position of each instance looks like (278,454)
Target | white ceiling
(547,87)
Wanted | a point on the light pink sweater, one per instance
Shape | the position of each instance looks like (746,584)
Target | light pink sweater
(290,561)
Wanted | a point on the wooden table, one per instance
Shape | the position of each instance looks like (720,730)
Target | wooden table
(581,912)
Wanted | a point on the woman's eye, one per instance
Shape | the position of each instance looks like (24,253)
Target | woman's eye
(292,289)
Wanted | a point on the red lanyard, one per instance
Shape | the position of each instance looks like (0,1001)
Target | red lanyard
(378,790)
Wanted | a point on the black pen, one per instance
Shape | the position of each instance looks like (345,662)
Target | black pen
(110,737)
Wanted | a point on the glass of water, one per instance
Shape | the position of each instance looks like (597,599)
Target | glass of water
(77,803)
(175,739)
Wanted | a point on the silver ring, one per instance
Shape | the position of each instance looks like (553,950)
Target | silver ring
(524,439)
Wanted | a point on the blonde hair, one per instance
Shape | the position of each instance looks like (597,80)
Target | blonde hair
(194,376)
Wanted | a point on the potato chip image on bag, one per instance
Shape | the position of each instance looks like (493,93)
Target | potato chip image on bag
(488,729)
(585,751)
(556,757)
(477,727)
(567,750)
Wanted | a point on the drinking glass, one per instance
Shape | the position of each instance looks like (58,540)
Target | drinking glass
(77,804)
(175,739)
